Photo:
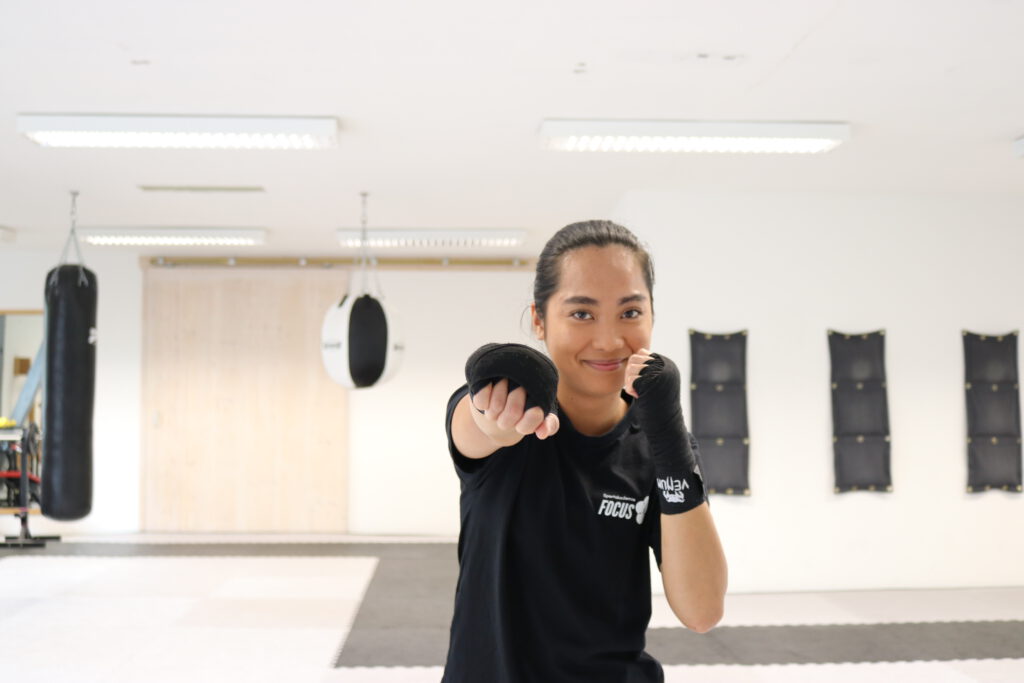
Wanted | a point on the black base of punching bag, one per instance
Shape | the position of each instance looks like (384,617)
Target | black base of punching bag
(70,385)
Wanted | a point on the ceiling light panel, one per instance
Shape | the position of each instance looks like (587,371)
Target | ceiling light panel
(394,238)
(173,237)
(179,132)
(202,188)
(591,135)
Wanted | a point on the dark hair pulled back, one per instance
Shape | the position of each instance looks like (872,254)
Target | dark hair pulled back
(584,234)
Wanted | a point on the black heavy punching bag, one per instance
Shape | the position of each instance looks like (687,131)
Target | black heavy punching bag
(70,384)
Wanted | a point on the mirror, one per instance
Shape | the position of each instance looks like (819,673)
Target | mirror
(21,334)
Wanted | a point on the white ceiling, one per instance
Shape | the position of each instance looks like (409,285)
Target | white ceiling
(439,104)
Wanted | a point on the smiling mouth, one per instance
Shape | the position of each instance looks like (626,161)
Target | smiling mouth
(606,366)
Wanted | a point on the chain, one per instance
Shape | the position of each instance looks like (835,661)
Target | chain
(73,239)
(365,258)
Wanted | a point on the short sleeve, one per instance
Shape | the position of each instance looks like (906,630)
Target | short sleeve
(465,467)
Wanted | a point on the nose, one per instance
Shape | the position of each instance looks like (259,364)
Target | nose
(607,336)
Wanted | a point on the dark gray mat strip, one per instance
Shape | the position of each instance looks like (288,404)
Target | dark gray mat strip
(422,645)
(404,617)
(383,550)
(839,643)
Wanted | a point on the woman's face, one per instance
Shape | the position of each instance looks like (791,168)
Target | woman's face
(597,318)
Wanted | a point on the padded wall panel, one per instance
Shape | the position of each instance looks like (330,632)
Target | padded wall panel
(718,409)
(860,412)
(993,412)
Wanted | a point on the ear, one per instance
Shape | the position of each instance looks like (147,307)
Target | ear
(538,324)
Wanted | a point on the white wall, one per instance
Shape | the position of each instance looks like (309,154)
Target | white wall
(118,392)
(785,266)
(789,266)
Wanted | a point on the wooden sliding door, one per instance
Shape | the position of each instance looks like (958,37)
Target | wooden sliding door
(242,429)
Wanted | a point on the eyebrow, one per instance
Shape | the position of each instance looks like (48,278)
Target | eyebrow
(589,301)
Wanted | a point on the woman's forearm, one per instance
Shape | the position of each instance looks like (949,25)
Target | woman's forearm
(693,568)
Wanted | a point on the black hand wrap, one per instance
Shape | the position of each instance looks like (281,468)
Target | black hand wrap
(676,467)
(522,366)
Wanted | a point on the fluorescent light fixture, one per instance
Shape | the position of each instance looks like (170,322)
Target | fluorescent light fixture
(692,136)
(352,238)
(202,188)
(179,132)
(1018,146)
(173,237)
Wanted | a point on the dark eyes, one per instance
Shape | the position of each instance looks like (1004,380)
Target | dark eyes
(577,315)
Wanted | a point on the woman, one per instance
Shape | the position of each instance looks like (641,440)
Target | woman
(558,510)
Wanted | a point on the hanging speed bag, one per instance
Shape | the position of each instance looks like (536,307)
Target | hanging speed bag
(359,343)
(70,383)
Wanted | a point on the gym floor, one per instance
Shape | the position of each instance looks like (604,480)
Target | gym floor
(333,608)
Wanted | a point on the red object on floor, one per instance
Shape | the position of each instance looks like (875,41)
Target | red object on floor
(14,474)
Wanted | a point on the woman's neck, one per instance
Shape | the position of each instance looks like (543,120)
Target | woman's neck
(592,415)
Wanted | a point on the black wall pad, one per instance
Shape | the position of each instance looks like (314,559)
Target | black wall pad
(715,408)
(863,408)
(993,412)
(718,409)
(993,409)
(858,461)
(860,412)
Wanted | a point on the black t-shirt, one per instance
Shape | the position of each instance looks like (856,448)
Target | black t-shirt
(554,573)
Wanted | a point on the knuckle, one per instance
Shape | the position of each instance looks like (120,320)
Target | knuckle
(526,426)
(508,417)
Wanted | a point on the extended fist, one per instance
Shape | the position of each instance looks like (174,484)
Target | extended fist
(513,388)
(506,410)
